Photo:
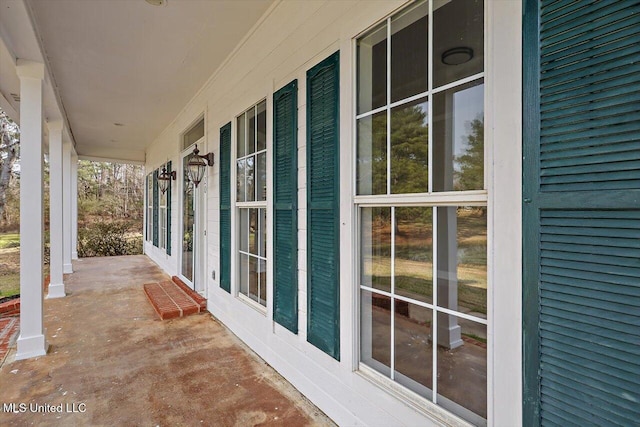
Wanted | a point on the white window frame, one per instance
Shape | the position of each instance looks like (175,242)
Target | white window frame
(255,204)
(430,199)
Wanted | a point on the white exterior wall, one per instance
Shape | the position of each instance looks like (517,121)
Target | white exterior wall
(289,39)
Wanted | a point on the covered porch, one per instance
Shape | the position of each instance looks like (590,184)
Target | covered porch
(113,362)
(82,88)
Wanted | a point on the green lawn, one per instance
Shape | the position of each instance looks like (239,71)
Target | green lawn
(10,264)
(9,240)
(9,271)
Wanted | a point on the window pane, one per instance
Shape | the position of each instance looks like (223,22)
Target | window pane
(410,148)
(262,214)
(253,278)
(462,259)
(251,131)
(458,25)
(413,347)
(262,125)
(244,230)
(458,133)
(261,176)
(242,165)
(241,136)
(372,154)
(250,176)
(253,231)
(462,370)
(413,263)
(372,70)
(375,248)
(262,282)
(375,331)
(244,274)
(409,52)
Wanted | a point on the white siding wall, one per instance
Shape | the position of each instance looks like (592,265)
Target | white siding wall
(288,40)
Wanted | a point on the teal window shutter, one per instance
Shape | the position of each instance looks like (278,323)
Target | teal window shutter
(581,213)
(169,190)
(285,207)
(323,199)
(155,208)
(225,207)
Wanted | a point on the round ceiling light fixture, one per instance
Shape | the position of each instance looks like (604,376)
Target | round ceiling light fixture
(157,2)
(457,55)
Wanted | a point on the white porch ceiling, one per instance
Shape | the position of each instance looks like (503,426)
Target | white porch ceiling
(134,64)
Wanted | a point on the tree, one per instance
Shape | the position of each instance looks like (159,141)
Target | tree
(9,152)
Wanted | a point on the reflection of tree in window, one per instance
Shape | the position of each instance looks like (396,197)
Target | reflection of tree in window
(469,167)
(409,149)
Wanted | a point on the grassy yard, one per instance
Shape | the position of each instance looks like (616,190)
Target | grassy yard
(10,264)
(9,240)
(9,270)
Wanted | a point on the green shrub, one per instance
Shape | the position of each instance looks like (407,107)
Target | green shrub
(108,239)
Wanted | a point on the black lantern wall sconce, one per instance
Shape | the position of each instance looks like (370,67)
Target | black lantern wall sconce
(165,178)
(197,165)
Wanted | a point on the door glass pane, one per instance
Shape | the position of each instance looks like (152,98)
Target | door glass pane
(409,52)
(375,248)
(458,40)
(458,134)
(188,223)
(193,134)
(413,261)
(375,331)
(410,148)
(372,70)
(372,154)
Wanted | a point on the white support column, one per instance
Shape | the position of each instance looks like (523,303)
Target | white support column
(56,286)
(74,205)
(66,206)
(31,342)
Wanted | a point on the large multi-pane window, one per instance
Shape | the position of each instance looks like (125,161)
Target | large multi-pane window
(251,200)
(421,199)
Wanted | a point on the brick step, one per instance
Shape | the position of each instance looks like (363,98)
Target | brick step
(10,308)
(199,299)
(170,301)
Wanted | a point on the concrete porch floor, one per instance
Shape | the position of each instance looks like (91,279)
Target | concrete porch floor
(109,351)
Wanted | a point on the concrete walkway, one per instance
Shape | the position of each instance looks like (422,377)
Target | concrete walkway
(114,363)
